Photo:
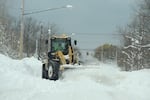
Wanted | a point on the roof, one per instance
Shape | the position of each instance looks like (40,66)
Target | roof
(60,36)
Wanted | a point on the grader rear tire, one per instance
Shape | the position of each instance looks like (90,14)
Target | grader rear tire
(44,72)
(53,70)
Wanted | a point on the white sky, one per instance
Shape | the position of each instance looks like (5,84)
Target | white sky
(87,17)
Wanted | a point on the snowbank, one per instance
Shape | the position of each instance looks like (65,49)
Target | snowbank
(21,80)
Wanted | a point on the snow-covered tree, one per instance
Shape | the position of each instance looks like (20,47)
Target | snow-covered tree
(135,53)
(106,52)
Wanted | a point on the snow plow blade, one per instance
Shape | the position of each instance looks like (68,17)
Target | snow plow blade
(63,67)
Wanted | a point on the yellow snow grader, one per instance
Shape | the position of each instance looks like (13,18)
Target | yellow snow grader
(60,53)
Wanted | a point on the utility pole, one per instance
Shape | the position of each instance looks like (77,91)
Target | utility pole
(41,35)
(49,39)
(102,53)
(21,31)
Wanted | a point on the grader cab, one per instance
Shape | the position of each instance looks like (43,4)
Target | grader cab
(61,53)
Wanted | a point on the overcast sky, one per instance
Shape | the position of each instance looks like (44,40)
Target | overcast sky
(87,17)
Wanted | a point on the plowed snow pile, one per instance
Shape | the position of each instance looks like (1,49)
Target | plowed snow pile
(21,80)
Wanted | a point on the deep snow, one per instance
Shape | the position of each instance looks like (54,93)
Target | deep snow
(21,80)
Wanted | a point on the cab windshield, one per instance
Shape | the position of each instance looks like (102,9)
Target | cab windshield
(59,45)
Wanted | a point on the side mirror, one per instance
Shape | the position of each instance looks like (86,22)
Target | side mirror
(75,42)
(46,41)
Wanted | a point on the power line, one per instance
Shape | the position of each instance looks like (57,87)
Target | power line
(13,8)
(97,34)
(87,49)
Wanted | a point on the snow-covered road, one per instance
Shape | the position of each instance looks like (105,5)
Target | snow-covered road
(21,80)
